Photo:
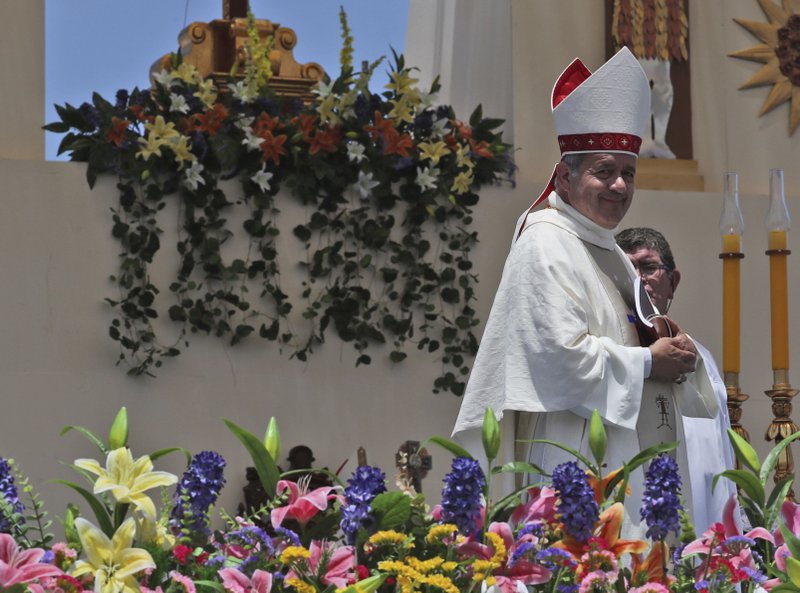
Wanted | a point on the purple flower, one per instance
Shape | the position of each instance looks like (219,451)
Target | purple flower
(555,558)
(577,506)
(362,488)
(91,115)
(8,491)
(461,495)
(122,99)
(661,499)
(197,492)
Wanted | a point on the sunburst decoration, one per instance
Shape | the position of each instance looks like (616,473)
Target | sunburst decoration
(780,54)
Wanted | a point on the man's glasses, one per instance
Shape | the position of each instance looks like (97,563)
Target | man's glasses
(651,270)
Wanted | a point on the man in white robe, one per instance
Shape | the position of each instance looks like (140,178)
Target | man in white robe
(652,257)
(560,340)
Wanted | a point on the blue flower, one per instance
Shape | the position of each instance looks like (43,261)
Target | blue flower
(577,506)
(555,558)
(92,116)
(461,495)
(197,492)
(8,491)
(122,99)
(661,499)
(362,488)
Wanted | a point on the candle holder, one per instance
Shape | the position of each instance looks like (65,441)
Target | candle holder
(735,400)
(782,424)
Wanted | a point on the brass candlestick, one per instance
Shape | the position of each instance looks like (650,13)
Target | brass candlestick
(735,400)
(782,425)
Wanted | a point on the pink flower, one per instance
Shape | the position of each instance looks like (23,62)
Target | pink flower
(186,582)
(302,505)
(597,579)
(508,576)
(21,566)
(339,568)
(649,588)
(235,581)
(541,506)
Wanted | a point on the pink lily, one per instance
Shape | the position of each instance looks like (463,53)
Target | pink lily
(236,581)
(339,567)
(22,566)
(541,506)
(303,505)
(740,556)
(508,576)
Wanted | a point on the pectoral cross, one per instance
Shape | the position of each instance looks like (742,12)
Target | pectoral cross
(413,463)
(663,408)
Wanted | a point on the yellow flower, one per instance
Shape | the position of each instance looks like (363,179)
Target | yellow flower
(388,537)
(113,563)
(294,554)
(434,152)
(155,532)
(425,566)
(299,586)
(402,110)
(449,566)
(127,480)
(439,532)
(401,82)
(462,157)
(499,547)
(442,582)
(462,182)
(150,146)
(161,128)
(181,150)
(186,72)
(325,110)
(207,93)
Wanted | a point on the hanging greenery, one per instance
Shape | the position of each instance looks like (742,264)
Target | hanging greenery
(388,181)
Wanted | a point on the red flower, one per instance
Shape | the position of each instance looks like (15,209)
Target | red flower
(181,553)
(397,143)
(480,148)
(272,147)
(116,133)
(210,121)
(382,127)
(327,140)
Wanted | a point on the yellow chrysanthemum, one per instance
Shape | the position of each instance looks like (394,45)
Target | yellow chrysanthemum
(449,566)
(112,562)
(425,566)
(294,554)
(439,532)
(299,585)
(499,547)
(127,479)
(387,537)
(442,582)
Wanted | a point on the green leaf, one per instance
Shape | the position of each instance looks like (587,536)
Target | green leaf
(597,438)
(451,446)
(118,435)
(393,509)
(490,434)
(263,462)
(518,467)
(100,511)
(791,540)
(161,452)
(583,459)
(744,451)
(272,438)
(775,501)
(211,585)
(771,460)
(747,482)
(793,570)
(93,437)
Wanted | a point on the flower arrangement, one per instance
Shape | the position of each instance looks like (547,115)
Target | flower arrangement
(387,181)
(362,538)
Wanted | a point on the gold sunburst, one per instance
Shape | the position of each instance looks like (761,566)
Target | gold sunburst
(780,54)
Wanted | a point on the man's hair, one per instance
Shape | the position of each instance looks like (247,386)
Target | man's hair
(636,238)
(573,162)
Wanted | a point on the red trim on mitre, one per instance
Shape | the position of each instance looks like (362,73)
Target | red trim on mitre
(570,79)
(599,142)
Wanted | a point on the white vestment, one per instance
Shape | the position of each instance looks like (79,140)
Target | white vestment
(561,339)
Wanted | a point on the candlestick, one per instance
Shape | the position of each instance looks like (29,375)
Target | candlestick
(777,224)
(731,226)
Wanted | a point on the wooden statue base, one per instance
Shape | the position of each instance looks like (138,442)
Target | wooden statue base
(668,174)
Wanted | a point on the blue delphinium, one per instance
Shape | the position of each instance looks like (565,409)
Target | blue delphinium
(577,506)
(461,495)
(197,492)
(661,499)
(8,491)
(362,488)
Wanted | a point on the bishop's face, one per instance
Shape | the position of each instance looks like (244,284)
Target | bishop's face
(602,187)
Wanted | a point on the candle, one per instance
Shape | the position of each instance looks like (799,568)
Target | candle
(731,226)
(777,226)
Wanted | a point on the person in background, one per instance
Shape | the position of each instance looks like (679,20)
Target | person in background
(707,438)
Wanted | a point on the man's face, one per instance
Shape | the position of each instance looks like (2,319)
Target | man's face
(659,282)
(603,189)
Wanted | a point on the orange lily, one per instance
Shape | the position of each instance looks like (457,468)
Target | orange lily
(600,487)
(210,121)
(481,148)
(306,124)
(650,569)
(382,127)
(327,140)
(272,147)
(607,529)
(397,143)
(265,123)
(116,133)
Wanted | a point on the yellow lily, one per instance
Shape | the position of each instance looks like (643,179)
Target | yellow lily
(150,146)
(433,151)
(462,182)
(401,82)
(112,562)
(462,157)
(161,128)
(127,480)
(207,92)
(401,109)
(181,150)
